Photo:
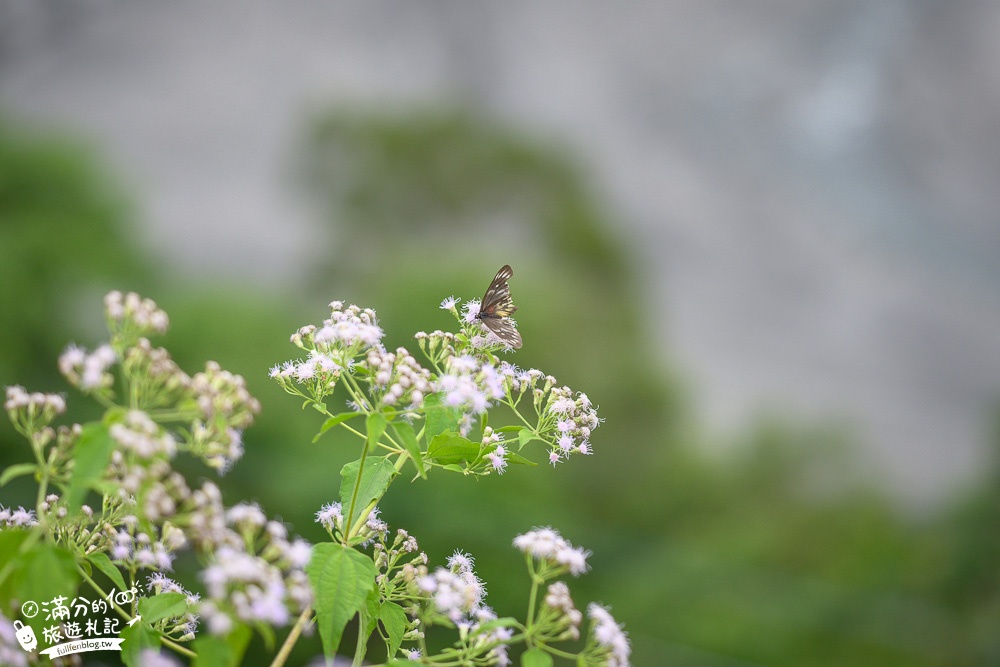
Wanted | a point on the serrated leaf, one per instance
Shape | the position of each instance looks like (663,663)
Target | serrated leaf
(404,431)
(137,638)
(536,657)
(450,447)
(369,617)
(100,560)
(44,571)
(440,417)
(394,621)
(334,421)
(16,470)
(164,605)
(341,578)
(375,479)
(91,455)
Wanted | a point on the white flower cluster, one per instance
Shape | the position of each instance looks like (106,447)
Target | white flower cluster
(470,385)
(226,408)
(498,456)
(397,378)
(151,485)
(566,422)
(17,518)
(31,413)
(456,592)
(133,312)
(262,587)
(609,635)
(166,378)
(558,599)
(548,546)
(88,372)
(134,549)
(142,436)
(185,625)
(331,517)
(497,637)
(348,328)
(35,403)
(255,589)
(575,419)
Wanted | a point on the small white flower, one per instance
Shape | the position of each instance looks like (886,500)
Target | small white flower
(608,634)
(330,516)
(461,562)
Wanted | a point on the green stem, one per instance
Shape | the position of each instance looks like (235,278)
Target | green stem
(293,636)
(533,596)
(359,650)
(354,493)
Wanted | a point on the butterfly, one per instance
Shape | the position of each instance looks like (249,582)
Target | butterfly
(497,307)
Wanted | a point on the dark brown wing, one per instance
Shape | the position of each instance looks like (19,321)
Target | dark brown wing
(504,330)
(497,302)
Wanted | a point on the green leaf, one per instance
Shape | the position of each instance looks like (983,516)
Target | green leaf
(524,437)
(450,447)
(333,421)
(394,621)
(514,428)
(91,454)
(100,560)
(404,663)
(11,542)
(440,418)
(489,626)
(368,618)
(164,605)
(138,637)
(375,479)
(536,657)
(517,458)
(404,431)
(48,571)
(226,651)
(375,424)
(16,470)
(44,572)
(341,578)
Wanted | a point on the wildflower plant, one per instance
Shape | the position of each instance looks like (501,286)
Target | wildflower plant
(409,417)
(252,575)
(426,417)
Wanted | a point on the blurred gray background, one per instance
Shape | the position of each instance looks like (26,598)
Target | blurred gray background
(810,189)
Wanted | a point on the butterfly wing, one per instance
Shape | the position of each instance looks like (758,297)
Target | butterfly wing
(497,301)
(497,306)
(504,330)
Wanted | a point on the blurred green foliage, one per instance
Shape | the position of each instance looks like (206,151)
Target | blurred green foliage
(772,554)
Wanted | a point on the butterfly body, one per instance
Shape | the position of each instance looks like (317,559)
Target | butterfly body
(497,307)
